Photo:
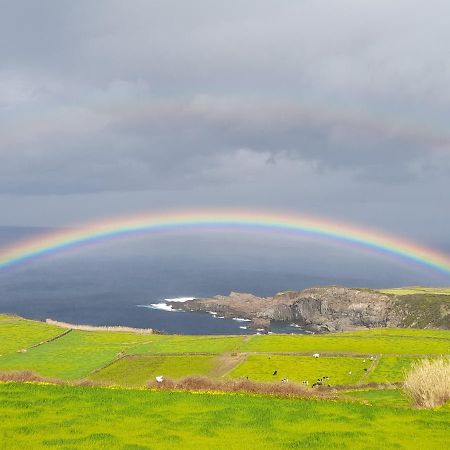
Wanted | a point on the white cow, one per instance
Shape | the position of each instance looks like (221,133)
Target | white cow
(316,355)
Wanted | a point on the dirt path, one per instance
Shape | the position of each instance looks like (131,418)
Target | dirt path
(226,363)
(372,367)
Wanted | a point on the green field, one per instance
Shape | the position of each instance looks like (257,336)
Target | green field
(340,370)
(74,355)
(17,333)
(391,369)
(132,358)
(371,342)
(124,417)
(61,417)
(393,398)
(137,370)
(189,344)
(410,290)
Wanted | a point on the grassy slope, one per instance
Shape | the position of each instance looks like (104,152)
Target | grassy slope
(36,416)
(17,333)
(416,290)
(79,353)
(366,342)
(189,344)
(422,307)
(391,369)
(137,370)
(424,310)
(297,369)
(74,355)
(393,398)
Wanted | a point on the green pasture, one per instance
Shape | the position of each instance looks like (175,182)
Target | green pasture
(74,355)
(300,368)
(394,398)
(411,290)
(390,369)
(17,333)
(132,359)
(137,370)
(400,333)
(370,342)
(188,344)
(62,417)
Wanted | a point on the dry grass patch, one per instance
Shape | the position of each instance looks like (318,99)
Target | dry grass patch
(242,385)
(428,382)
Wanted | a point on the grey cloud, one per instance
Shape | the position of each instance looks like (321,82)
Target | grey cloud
(144,143)
(126,96)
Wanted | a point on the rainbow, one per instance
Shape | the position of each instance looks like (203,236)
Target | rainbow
(239,220)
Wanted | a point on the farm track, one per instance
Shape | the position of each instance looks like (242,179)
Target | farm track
(372,367)
(227,363)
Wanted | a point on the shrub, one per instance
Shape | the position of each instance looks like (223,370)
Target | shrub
(26,376)
(241,385)
(428,382)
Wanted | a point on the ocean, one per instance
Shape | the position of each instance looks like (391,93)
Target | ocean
(119,283)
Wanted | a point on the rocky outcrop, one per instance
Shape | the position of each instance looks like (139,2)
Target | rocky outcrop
(337,308)
(320,309)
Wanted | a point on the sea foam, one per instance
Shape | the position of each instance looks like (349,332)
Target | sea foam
(160,306)
(163,306)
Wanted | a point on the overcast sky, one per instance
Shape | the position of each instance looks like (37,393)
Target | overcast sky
(335,108)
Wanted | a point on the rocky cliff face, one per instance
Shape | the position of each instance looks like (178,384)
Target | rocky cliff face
(336,308)
(320,309)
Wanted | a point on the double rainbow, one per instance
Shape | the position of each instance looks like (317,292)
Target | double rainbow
(234,220)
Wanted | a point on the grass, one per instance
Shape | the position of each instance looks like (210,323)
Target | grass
(137,370)
(386,341)
(50,417)
(391,369)
(17,333)
(424,310)
(79,353)
(393,398)
(299,368)
(74,355)
(158,344)
(74,417)
(410,290)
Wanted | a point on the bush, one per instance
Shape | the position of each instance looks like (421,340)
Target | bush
(242,385)
(428,382)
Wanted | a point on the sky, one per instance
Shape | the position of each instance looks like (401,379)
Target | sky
(335,108)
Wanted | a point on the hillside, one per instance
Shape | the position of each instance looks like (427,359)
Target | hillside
(69,410)
(131,359)
(61,417)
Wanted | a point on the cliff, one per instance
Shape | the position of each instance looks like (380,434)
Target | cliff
(325,309)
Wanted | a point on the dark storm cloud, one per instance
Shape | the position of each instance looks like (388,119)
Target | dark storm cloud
(117,96)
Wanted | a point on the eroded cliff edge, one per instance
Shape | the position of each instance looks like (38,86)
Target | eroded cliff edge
(326,309)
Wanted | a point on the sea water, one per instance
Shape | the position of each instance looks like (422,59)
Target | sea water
(130,285)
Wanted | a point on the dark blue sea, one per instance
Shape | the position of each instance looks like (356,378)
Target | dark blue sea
(116,283)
